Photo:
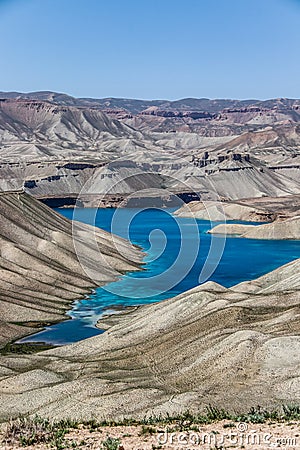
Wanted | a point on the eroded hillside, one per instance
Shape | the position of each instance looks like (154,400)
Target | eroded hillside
(40,271)
(237,347)
(52,144)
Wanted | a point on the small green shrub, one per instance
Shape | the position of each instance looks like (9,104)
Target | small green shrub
(111,443)
(146,430)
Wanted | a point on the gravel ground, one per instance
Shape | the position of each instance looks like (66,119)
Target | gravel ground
(218,435)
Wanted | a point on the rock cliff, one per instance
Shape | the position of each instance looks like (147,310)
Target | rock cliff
(51,144)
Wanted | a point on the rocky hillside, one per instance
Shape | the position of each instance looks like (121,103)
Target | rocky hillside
(237,347)
(51,144)
(223,211)
(40,271)
(263,209)
(38,129)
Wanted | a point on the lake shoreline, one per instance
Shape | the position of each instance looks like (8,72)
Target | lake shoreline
(41,273)
(89,316)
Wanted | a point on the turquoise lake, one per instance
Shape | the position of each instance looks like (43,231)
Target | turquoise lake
(179,255)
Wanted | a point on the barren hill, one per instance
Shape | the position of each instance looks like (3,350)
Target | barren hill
(49,130)
(288,229)
(40,271)
(237,347)
(51,144)
(135,106)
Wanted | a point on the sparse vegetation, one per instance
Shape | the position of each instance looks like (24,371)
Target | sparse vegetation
(37,430)
(111,444)
(26,431)
(212,414)
(92,424)
(146,430)
(24,349)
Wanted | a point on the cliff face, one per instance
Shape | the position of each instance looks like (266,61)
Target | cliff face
(40,271)
(236,347)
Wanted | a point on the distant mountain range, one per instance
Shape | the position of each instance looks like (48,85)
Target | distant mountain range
(135,106)
(52,143)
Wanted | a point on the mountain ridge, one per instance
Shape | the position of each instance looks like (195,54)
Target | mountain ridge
(240,152)
(137,105)
(41,274)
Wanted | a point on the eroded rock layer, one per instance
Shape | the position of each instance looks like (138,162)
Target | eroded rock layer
(52,145)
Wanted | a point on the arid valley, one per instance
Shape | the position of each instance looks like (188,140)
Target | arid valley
(149,225)
(232,164)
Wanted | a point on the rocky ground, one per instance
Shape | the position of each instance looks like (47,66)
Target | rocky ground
(219,434)
(264,209)
(225,434)
(223,211)
(287,229)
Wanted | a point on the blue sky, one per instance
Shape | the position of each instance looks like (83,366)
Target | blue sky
(152,48)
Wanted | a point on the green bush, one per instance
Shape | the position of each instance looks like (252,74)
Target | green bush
(111,443)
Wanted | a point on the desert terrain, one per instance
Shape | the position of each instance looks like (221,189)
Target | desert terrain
(55,146)
(217,160)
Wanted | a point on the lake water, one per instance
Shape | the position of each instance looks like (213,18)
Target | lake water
(179,255)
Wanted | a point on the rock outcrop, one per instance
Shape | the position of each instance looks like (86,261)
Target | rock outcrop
(220,211)
(288,229)
(36,130)
(40,271)
(232,348)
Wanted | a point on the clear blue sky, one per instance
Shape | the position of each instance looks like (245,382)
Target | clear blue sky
(152,48)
